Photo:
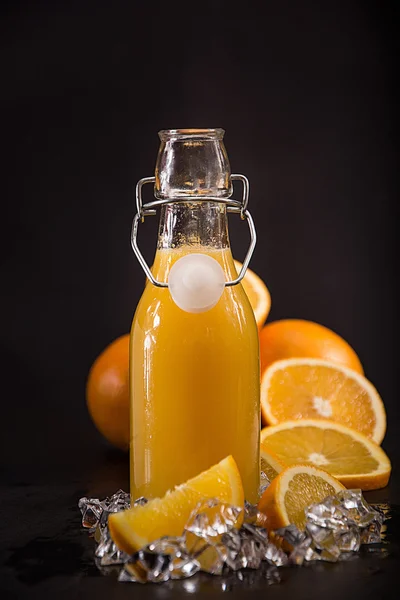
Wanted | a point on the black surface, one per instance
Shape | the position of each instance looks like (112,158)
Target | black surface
(47,554)
(306,93)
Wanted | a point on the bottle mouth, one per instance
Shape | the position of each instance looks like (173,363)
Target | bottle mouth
(198,134)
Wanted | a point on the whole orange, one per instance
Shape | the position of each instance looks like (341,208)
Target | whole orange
(107,392)
(296,338)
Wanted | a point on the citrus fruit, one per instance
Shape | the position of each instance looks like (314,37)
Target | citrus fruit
(301,388)
(138,526)
(295,338)
(295,488)
(107,392)
(270,464)
(345,453)
(257,292)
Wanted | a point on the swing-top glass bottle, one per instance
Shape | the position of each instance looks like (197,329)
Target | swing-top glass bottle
(194,360)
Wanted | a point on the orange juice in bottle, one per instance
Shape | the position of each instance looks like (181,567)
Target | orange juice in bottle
(194,358)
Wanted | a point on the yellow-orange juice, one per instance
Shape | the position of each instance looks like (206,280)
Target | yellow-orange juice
(194,384)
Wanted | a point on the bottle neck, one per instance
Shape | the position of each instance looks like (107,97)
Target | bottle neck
(193,224)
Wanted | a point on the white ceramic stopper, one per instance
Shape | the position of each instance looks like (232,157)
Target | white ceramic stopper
(196,282)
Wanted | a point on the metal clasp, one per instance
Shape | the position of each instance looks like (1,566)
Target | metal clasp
(232,206)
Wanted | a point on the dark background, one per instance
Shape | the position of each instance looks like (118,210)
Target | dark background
(306,94)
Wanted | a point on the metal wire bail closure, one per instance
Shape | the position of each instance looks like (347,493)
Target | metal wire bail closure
(232,206)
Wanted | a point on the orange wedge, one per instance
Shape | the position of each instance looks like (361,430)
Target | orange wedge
(301,388)
(345,453)
(295,488)
(270,463)
(138,526)
(258,294)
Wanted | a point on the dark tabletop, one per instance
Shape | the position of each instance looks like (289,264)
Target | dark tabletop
(306,94)
(46,554)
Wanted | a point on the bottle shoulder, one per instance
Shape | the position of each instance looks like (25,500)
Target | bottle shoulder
(157,309)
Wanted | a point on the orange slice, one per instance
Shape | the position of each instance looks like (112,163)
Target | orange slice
(138,526)
(345,453)
(295,488)
(301,388)
(258,294)
(270,464)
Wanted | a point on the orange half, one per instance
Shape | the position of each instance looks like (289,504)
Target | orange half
(308,388)
(351,457)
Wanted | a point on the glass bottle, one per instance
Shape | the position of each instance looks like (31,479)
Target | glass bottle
(194,374)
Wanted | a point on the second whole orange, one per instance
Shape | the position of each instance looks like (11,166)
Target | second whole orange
(107,392)
(298,338)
